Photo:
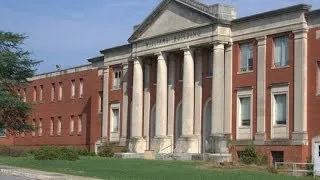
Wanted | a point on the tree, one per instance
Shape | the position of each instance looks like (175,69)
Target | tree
(16,66)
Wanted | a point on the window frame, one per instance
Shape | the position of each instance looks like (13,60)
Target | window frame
(73,89)
(34,94)
(81,88)
(79,127)
(244,132)
(53,92)
(41,93)
(59,126)
(60,91)
(279,66)
(115,135)
(71,125)
(247,68)
(117,72)
(280,131)
(52,126)
(40,127)
(100,101)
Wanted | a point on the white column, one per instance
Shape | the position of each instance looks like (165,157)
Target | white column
(137,144)
(171,95)
(228,90)
(125,105)
(162,141)
(218,86)
(261,90)
(300,135)
(105,104)
(161,101)
(219,140)
(188,142)
(198,93)
(146,102)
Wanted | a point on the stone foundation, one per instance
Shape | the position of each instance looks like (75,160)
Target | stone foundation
(137,145)
(162,145)
(219,143)
(188,145)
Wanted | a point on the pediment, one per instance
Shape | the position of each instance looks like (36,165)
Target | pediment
(172,17)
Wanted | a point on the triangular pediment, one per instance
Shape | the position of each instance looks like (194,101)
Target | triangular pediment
(173,16)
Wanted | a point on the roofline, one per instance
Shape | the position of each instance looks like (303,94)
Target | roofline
(162,5)
(95,59)
(74,67)
(313,13)
(115,48)
(294,8)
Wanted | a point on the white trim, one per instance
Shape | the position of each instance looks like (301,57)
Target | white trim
(279,131)
(119,71)
(244,132)
(115,136)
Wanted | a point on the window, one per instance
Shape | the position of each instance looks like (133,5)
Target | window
(41,93)
(281,51)
(244,114)
(245,106)
(59,126)
(73,89)
(277,156)
(34,93)
(60,91)
(53,92)
(79,124)
(210,63)
(246,57)
(24,97)
(40,127)
(51,126)
(2,130)
(115,120)
(117,79)
(72,125)
(100,101)
(33,133)
(81,88)
(280,110)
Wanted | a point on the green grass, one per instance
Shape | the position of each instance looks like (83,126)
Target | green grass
(139,169)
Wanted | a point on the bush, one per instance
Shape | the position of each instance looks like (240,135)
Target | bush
(309,166)
(272,170)
(56,153)
(13,151)
(250,156)
(106,150)
(85,152)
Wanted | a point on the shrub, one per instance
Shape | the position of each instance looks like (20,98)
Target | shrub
(309,166)
(13,151)
(85,152)
(250,156)
(106,150)
(56,153)
(272,170)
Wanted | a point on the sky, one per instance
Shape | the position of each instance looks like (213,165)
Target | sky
(68,32)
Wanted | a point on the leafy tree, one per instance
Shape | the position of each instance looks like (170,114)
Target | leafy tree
(16,66)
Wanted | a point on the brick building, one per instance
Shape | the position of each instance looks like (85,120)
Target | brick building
(193,79)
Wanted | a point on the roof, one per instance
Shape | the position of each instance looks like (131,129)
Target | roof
(313,13)
(299,7)
(115,48)
(194,4)
(96,59)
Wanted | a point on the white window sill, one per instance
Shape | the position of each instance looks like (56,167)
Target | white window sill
(280,67)
(209,77)
(4,136)
(245,72)
(244,127)
(115,89)
(279,125)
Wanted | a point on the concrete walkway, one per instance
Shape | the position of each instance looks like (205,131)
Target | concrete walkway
(36,174)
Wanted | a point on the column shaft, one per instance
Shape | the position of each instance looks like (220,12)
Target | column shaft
(261,90)
(300,135)
(228,90)
(137,99)
(171,95)
(218,86)
(146,102)
(188,94)
(161,101)
(105,104)
(125,105)
(198,93)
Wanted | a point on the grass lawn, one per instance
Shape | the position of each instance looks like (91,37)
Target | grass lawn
(139,169)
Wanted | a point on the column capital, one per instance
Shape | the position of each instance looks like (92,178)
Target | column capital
(262,40)
(161,55)
(300,33)
(125,65)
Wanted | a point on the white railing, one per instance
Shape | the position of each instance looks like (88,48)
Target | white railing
(295,169)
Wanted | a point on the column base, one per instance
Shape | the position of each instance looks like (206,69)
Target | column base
(259,138)
(123,141)
(299,138)
(137,145)
(188,144)
(219,143)
(162,144)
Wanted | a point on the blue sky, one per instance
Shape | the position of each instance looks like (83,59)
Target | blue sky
(67,32)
